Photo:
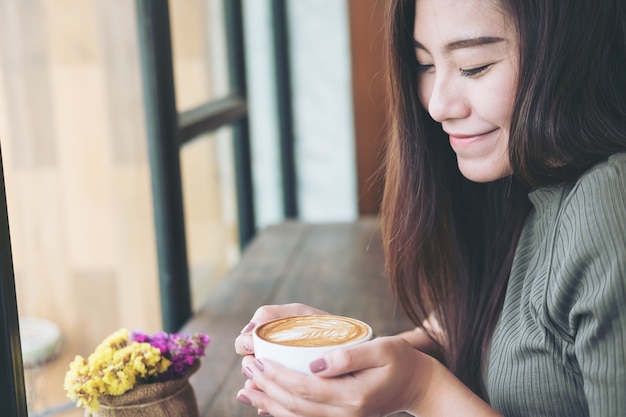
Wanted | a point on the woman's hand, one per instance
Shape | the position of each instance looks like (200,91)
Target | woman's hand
(375,378)
(243,343)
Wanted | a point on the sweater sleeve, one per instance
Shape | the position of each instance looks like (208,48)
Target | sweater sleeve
(589,294)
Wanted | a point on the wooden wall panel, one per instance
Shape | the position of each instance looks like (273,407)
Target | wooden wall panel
(369,99)
(27,90)
(120,61)
(77,175)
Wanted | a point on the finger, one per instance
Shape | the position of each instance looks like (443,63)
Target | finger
(292,391)
(284,405)
(248,361)
(259,399)
(249,384)
(270,312)
(243,344)
(247,367)
(349,360)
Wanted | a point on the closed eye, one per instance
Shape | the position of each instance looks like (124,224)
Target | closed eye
(424,67)
(472,72)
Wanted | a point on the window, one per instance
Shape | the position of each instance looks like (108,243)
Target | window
(96,173)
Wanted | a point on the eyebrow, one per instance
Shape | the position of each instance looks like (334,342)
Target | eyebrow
(465,43)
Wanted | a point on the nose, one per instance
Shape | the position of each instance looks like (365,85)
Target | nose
(446,100)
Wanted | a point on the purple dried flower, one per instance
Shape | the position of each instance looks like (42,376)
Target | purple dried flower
(181,349)
(138,337)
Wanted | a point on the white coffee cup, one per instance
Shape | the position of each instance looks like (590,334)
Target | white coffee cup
(296,341)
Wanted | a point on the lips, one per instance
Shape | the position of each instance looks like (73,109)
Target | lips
(461,136)
(458,140)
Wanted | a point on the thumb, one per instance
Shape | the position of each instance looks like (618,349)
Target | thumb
(344,361)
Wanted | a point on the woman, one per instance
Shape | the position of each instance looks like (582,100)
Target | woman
(504,221)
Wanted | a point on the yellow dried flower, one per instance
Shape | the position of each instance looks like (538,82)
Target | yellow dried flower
(115,367)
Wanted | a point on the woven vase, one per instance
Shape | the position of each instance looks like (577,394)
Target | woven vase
(159,399)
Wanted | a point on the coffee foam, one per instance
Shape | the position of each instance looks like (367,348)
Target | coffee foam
(314,330)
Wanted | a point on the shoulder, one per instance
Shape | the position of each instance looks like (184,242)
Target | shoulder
(598,199)
(587,263)
(583,222)
(610,173)
(590,231)
(590,238)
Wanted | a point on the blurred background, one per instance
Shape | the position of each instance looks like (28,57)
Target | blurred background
(75,136)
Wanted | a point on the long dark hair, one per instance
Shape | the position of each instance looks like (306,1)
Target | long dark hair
(449,242)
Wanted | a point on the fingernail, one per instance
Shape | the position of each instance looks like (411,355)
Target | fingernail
(248,373)
(244,399)
(262,412)
(259,365)
(248,327)
(318,365)
(247,347)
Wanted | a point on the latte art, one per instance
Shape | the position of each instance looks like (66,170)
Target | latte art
(315,330)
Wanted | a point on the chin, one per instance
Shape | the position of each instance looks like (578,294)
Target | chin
(484,171)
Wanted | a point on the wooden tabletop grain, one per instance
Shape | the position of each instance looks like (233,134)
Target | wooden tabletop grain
(334,267)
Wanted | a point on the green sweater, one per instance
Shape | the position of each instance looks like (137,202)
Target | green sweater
(559,348)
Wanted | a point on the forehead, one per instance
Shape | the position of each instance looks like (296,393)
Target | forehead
(449,20)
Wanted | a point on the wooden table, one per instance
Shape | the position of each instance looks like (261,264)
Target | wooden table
(335,267)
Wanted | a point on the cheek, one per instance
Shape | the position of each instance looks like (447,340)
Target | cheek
(499,102)
(424,90)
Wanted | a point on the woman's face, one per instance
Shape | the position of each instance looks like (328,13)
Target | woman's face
(467,60)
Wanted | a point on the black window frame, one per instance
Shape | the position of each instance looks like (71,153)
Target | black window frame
(168,130)
(11,366)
